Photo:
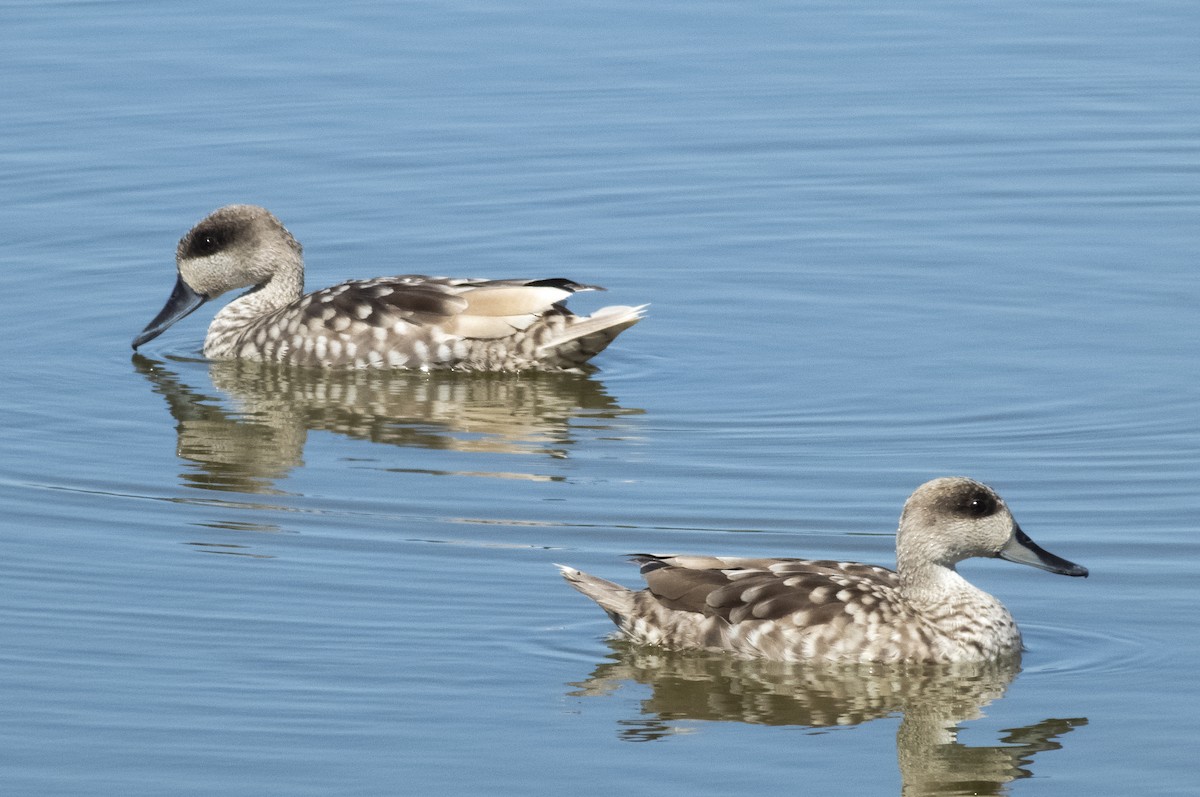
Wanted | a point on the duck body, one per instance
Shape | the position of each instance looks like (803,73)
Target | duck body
(821,610)
(408,321)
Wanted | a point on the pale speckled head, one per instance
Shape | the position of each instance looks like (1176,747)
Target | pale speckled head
(236,246)
(950,519)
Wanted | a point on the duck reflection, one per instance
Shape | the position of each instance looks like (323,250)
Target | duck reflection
(253,431)
(932,700)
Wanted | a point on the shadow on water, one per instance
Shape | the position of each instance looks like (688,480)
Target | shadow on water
(931,700)
(253,433)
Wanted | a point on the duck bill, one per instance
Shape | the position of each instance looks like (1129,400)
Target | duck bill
(1024,551)
(183,301)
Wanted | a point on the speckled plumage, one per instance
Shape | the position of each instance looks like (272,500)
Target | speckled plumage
(409,321)
(807,610)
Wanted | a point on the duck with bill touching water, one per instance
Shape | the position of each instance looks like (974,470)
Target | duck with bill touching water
(409,321)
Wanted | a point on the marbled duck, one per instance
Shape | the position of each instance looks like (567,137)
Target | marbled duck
(409,321)
(805,610)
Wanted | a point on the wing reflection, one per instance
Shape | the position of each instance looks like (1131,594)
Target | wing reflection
(931,700)
(252,432)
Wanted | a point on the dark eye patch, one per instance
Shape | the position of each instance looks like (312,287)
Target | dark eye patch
(207,240)
(978,504)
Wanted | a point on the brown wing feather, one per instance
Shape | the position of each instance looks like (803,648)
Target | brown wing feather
(758,589)
(377,303)
(685,590)
(502,306)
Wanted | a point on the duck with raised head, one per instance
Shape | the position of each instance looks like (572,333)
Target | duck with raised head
(809,610)
(409,321)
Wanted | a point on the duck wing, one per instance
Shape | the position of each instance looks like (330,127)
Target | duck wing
(468,308)
(740,589)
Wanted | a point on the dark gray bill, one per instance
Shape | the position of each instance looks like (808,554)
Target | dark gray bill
(183,301)
(1022,550)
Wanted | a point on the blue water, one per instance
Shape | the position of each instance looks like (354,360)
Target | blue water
(880,244)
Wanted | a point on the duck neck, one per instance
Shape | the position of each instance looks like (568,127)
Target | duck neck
(971,623)
(929,585)
(284,287)
(233,320)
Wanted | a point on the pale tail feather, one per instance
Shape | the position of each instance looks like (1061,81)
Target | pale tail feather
(615,600)
(585,337)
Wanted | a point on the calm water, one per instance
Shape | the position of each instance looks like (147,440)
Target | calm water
(880,244)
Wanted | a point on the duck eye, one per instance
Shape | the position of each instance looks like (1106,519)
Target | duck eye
(207,242)
(980,506)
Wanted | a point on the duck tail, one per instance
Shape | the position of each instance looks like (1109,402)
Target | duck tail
(615,600)
(583,337)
